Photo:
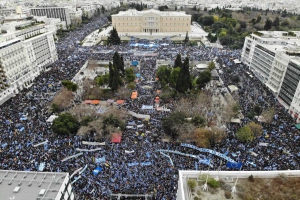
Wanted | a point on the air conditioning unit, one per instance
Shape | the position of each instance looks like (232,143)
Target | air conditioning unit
(16,189)
(42,192)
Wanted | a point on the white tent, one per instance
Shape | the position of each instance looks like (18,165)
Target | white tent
(51,118)
(233,88)
(237,61)
(237,120)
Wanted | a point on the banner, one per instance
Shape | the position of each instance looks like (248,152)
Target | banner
(205,161)
(140,126)
(137,163)
(177,152)
(133,164)
(76,178)
(83,169)
(36,145)
(88,150)
(140,116)
(75,172)
(145,107)
(170,159)
(235,165)
(250,163)
(129,151)
(67,158)
(208,151)
(263,144)
(93,143)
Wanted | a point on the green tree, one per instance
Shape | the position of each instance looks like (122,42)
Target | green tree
(112,123)
(102,80)
(163,74)
(276,22)
(284,13)
(129,74)
(211,66)
(203,78)
(55,108)
(69,85)
(170,123)
(198,121)
(245,134)
(65,124)
(118,62)
(184,80)
(113,38)
(178,61)
(174,76)
(268,24)
(255,128)
(192,183)
(85,120)
(207,20)
(258,19)
(186,39)
(131,85)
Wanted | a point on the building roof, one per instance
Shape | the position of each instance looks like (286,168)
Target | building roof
(133,12)
(20,185)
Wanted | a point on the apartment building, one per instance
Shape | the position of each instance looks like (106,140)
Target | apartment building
(23,55)
(151,21)
(53,12)
(274,58)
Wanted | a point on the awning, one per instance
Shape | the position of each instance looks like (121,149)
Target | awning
(120,102)
(88,101)
(297,126)
(95,102)
(116,137)
(110,101)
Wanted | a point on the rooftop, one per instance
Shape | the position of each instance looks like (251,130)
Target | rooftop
(133,12)
(22,185)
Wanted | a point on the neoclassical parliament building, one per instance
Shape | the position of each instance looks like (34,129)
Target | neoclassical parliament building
(151,21)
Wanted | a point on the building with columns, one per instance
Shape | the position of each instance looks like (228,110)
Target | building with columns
(151,21)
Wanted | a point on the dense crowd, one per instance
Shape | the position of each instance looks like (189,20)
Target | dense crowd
(134,166)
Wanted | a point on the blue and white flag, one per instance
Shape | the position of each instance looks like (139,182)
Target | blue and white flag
(237,165)
(97,170)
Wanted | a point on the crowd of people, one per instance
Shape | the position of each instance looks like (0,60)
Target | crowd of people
(135,166)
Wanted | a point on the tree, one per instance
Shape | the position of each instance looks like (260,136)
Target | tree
(118,62)
(65,124)
(255,128)
(258,19)
(203,78)
(284,13)
(192,183)
(115,80)
(63,99)
(245,134)
(129,74)
(113,38)
(171,122)
(55,108)
(207,20)
(186,39)
(184,80)
(211,66)
(198,121)
(276,22)
(174,76)
(201,137)
(268,114)
(268,24)
(163,74)
(178,61)
(112,122)
(70,85)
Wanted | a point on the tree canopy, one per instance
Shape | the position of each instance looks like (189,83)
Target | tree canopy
(113,38)
(69,85)
(65,124)
(184,79)
(245,134)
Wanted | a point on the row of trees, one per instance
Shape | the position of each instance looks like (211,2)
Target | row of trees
(179,77)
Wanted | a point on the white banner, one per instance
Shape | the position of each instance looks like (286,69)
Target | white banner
(67,158)
(171,161)
(140,126)
(93,143)
(83,169)
(129,151)
(75,172)
(145,107)
(88,150)
(140,116)
(263,144)
(36,145)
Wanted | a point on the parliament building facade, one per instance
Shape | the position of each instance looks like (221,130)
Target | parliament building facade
(151,21)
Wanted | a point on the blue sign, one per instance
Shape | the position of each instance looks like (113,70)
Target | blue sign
(97,170)
(236,165)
